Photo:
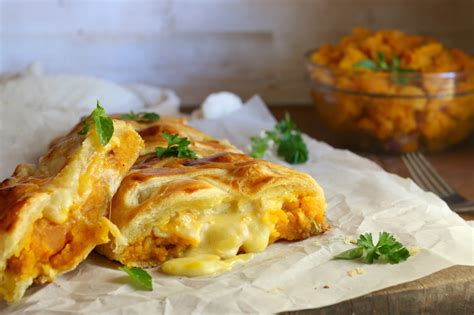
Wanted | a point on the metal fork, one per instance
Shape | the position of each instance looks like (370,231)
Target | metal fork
(425,175)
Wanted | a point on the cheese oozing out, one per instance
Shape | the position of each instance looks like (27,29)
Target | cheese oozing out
(206,232)
(226,238)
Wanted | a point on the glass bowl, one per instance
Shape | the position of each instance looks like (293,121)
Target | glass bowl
(393,112)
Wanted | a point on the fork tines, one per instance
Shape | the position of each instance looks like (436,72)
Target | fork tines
(425,175)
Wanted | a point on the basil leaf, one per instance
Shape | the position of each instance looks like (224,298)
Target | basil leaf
(104,125)
(105,128)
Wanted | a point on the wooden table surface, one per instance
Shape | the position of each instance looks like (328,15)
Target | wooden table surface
(450,291)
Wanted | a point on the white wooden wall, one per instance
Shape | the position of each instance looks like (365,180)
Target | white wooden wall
(200,46)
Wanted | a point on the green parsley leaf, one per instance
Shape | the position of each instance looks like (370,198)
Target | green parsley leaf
(390,249)
(258,147)
(286,125)
(287,137)
(381,65)
(365,241)
(366,64)
(293,149)
(103,124)
(395,63)
(129,116)
(382,62)
(387,249)
(140,276)
(142,116)
(351,254)
(177,147)
(396,77)
(150,116)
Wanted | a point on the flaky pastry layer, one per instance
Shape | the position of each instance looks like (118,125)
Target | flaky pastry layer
(52,215)
(169,208)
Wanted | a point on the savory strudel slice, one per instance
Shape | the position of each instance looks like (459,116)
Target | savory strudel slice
(199,217)
(54,214)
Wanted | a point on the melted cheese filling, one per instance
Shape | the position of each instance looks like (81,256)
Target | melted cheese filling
(202,265)
(73,185)
(224,237)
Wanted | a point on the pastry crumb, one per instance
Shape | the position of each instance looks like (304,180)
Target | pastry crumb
(275,290)
(355,272)
(326,286)
(413,250)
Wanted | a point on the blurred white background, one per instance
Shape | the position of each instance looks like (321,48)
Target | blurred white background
(200,46)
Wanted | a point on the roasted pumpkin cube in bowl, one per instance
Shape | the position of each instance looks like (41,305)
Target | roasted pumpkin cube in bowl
(388,91)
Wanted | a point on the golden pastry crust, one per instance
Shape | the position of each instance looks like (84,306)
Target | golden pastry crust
(225,201)
(53,215)
(162,206)
(151,132)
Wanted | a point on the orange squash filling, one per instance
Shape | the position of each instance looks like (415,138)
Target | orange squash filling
(157,249)
(296,220)
(61,246)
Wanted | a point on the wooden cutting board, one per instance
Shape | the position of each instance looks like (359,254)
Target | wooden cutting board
(450,291)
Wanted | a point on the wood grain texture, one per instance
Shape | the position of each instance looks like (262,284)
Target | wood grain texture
(202,46)
(450,291)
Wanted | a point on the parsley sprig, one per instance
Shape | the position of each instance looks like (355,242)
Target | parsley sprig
(103,124)
(381,64)
(387,249)
(141,116)
(288,139)
(177,147)
(140,276)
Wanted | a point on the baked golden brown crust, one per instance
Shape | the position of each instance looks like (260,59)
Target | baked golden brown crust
(162,206)
(223,204)
(151,132)
(53,215)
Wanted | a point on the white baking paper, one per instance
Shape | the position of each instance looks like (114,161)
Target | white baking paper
(287,276)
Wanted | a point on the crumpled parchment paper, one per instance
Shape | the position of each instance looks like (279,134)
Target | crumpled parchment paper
(287,276)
